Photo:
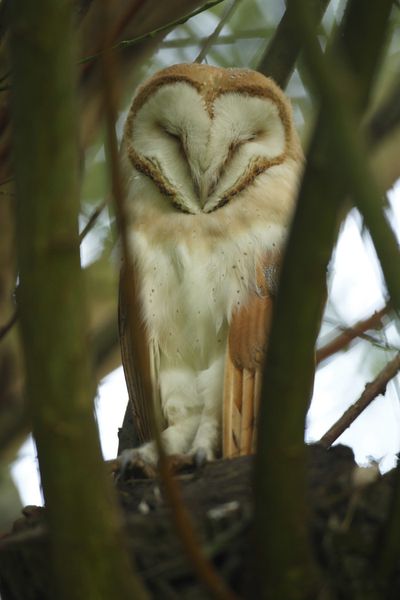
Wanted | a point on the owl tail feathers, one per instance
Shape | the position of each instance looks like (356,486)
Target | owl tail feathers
(242,389)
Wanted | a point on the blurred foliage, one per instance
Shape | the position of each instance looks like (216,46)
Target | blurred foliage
(10,504)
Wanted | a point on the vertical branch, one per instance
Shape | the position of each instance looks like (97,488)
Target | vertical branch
(203,568)
(89,557)
(281,502)
(372,390)
(366,195)
(348,147)
(284,48)
(210,41)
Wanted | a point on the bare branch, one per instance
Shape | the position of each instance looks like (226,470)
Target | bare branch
(86,537)
(92,220)
(151,34)
(350,150)
(211,40)
(183,522)
(6,328)
(281,504)
(89,225)
(350,333)
(221,40)
(372,390)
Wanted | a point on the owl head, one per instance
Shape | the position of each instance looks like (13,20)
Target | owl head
(203,134)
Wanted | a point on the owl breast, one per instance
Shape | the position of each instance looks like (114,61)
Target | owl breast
(195,270)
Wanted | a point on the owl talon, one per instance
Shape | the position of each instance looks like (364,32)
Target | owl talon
(200,458)
(181,462)
(131,464)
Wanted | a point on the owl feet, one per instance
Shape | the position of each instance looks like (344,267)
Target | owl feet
(132,464)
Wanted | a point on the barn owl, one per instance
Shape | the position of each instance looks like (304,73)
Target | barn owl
(211,162)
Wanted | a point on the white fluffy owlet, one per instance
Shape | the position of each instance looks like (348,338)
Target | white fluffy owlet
(212,162)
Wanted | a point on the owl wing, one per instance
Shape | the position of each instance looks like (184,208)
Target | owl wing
(247,340)
(137,357)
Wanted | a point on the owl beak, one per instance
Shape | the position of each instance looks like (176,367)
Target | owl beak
(201,189)
(200,186)
(203,181)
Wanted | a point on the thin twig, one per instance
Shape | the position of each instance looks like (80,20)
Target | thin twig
(92,220)
(150,34)
(182,519)
(371,391)
(379,343)
(350,333)
(210,41)
(110,109)
(3,77)
(253,34)
(11,322)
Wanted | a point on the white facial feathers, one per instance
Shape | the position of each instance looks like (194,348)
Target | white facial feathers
(199,153)
(163,129)
(245,130)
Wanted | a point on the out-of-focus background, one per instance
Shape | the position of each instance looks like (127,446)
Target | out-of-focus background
(355,283)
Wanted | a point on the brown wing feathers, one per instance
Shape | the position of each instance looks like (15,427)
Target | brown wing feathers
(244,362)
(246,346)
(135,356)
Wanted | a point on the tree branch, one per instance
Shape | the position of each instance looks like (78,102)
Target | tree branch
(92,220)
(220,40)
(372,390)
(284,48)
(89,559)
(140,38)
(349,150)
(281,506)
(384,135)
(180,515)
(6,328)
(211,40)
(387,116)
(350,333)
